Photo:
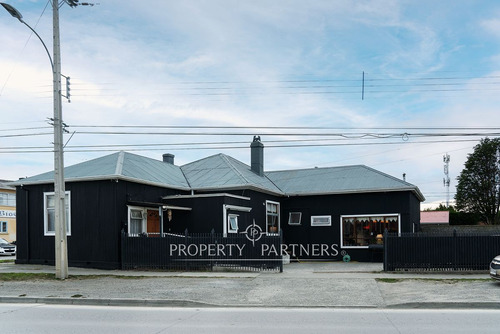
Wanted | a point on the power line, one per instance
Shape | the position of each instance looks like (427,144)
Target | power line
(316,136)
(404,135)
(296,136)
(373,132)
(27,135)
(285,127)
(107,148)
(316,81)
(25,129)
(372,87)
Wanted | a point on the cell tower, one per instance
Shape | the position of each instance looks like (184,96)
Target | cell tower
(446,179)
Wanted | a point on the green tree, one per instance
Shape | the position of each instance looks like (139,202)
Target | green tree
(478,184)
(443,207)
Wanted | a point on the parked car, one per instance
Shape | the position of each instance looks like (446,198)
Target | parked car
(6,248)
(495,268)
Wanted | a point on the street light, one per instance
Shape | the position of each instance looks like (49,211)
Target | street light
(61,250)
(14,12)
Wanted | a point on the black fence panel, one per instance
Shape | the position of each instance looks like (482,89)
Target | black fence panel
(201,251)
(451,251)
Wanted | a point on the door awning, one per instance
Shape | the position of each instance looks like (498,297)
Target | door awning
(158,205)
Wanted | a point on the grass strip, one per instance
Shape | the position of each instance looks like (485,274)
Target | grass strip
(26,276)
(46,276)
(7,261)
(438,280)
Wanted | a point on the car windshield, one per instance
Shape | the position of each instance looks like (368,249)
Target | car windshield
(3,242)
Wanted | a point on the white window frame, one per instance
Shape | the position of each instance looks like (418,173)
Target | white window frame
(290,218)
(67,202)
(143,222)
(318,221)
(7,199)
(2,229)
(226,214)
(4,199)
(364,216)
(230,228)
(278,214)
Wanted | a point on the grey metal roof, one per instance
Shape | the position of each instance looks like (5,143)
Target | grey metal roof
(224,172)
(120,165)
(4,184)
(332,180)
(219,172)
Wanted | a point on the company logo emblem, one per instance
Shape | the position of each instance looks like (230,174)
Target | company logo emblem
(253,233)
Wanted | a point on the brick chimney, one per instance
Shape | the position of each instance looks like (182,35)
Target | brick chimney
(168,158)
(257,156)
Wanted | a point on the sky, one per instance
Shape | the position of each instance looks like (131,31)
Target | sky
(394,85)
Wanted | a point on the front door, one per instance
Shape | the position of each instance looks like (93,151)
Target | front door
(153,223)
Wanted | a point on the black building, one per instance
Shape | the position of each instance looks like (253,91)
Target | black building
(324,213)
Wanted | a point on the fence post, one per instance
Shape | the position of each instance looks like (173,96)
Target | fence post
(280,257)
(386,234)
(186,244)
(123,235)
(455,249)
(213,241)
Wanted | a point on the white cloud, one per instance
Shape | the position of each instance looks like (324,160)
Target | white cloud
(492,26)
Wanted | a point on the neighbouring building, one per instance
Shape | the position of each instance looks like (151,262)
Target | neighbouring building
(434,218)
(7,211)
(324,213)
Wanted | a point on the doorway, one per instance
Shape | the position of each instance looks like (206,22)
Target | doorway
(153,223)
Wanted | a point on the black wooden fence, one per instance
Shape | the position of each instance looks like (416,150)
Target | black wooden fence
(452,251)
(201,251)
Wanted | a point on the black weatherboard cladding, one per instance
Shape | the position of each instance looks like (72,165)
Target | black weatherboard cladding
(98,214)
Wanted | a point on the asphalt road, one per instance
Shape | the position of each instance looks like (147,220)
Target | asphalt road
(42,318)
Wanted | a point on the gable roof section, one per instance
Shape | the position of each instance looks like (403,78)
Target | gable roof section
(338,180)
(120,165)
(224,172)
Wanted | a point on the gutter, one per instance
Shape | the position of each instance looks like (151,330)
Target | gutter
(104,178)
(416,192)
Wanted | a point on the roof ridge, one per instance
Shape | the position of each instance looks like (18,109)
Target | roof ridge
(233,168)
(185,178)
(389,176)
(314,168)
(201,159)
(119,163)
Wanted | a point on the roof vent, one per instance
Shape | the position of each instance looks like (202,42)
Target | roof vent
(168,158)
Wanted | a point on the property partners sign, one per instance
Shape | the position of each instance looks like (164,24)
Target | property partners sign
(254,243)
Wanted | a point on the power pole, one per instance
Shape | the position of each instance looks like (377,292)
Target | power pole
(61,247)
(61,243)
(446,179)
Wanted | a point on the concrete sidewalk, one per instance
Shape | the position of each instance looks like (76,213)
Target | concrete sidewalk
(315,284)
